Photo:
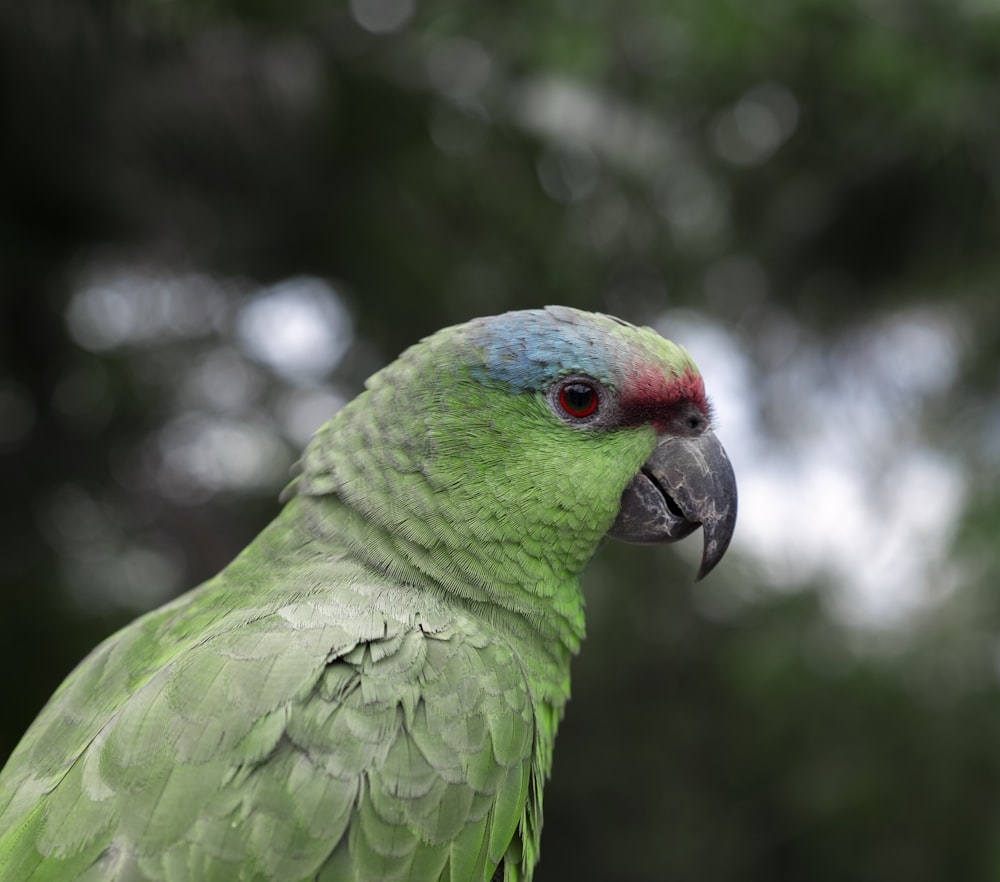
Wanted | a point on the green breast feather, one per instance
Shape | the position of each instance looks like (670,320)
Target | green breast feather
(371,690)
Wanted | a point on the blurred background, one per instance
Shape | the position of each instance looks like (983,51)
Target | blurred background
(217,218)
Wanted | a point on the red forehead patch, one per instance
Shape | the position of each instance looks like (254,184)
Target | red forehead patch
(652,397)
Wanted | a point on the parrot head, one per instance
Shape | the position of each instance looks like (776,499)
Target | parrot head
(606,379)
(492,457)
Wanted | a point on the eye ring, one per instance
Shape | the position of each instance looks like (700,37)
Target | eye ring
(578,398)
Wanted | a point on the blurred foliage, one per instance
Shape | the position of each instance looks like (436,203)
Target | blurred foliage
(816,162)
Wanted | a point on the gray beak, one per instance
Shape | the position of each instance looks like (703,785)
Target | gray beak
(686,482)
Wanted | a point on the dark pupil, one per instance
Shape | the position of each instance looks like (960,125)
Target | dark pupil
(578,398)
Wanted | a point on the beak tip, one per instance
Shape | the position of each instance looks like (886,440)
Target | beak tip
(718,534)
(707,565)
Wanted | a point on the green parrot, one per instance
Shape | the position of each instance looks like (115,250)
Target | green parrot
(371,690)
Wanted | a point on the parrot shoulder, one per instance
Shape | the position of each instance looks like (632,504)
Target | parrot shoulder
(324,729)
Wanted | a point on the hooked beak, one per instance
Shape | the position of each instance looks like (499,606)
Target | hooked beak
(684,483)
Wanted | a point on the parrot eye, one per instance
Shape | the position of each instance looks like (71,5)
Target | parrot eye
(578,399)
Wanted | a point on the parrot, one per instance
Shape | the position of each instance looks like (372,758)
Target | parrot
(370,691)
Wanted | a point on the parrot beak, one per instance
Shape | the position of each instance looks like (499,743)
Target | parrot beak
(684,483)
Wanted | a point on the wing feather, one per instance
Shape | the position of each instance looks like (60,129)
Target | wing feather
(353,738)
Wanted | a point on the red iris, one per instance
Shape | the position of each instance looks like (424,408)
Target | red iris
(578,399)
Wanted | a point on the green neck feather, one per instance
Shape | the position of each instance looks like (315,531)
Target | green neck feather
(471,490)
